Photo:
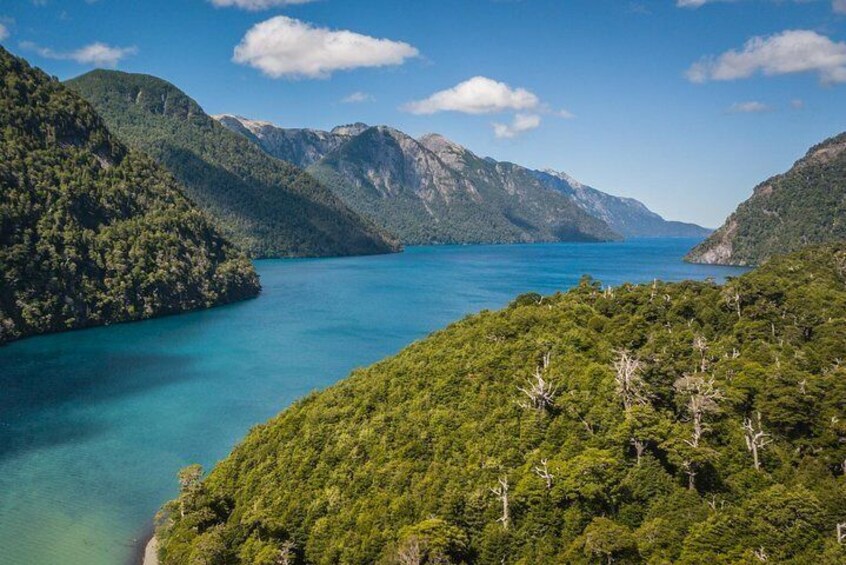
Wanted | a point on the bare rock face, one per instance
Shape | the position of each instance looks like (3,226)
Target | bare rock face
(433,190)
(804,206)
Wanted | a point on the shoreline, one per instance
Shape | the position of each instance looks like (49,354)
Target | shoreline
(145,546)
(150,552)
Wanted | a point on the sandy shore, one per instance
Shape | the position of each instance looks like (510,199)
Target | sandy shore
(150,557)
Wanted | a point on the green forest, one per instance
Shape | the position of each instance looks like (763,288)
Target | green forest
(92,233)
(804,206)
(266,206)
(659,423)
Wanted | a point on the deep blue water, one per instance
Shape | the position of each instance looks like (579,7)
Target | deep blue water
(94,424)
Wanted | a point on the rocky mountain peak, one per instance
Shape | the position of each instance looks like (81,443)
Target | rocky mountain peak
(350,130)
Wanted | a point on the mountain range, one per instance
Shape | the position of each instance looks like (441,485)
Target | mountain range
(268,207)
(804,206)
(92,232)
(433,190)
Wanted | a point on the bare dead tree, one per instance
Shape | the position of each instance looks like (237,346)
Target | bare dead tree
(761,555)
(756,438)
(700,344)
(501,493)
(715,504)
(542,471)
(631,388)
(734,301)
(409,552)
(639,447)
(540,392)
(702,399)
(841,533)
(286,553)
(689,468)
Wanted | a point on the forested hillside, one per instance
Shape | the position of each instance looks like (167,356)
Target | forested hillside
(90,232)
(804,206)
(407,187)
(663,423)
(268,207)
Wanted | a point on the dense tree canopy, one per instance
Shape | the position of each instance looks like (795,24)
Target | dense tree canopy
(90,232)
(268,207)
(661,423)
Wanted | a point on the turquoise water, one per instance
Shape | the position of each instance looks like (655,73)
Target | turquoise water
(94,424)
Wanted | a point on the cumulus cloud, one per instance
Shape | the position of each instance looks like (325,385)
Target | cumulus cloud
(478,95)
(793,51)
(97,54)
(839,6)
(255,5)
(358,98)
(483,95)
(285,47)
(751,107)
(520,124)
(4,31)
(797,104)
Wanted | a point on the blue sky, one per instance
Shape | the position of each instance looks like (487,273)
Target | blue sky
(677,105)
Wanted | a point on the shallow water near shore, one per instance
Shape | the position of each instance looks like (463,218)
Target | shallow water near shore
(94,424)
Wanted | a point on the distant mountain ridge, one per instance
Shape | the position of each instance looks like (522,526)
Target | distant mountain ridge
(268,207)
(804,206)
(518,204)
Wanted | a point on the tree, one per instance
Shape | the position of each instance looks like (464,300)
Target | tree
(756,438)
(630,385)
(501,493)
(701,399)
(540,392)
(190,478)
(606,539)
(542,471)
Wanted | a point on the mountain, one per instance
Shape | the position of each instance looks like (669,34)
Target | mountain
(308,148)
(805,205)
(91,232)
(594,426)
(626,216)
(410,190)
(268,207)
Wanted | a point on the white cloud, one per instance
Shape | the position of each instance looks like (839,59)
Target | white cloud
(4,32)
(521,124)
(752,107)
(479,95)
(285,47)
(793,51)
(797,104)
(839,6)
(697,3)
(358,98)
(97,54)
(255,5)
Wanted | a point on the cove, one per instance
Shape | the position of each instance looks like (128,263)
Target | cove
(94,424)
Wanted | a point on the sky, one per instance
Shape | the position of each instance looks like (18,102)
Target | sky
(685,105)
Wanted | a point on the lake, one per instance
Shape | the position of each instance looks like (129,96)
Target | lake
(94,424)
